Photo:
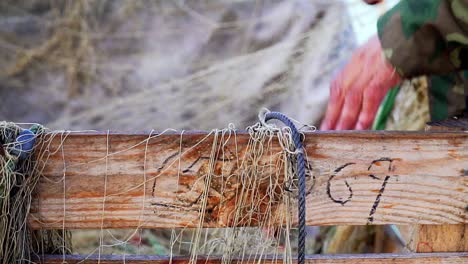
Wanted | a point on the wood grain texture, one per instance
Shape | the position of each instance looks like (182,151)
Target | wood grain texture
(436,258)
(439,238)
(435,238)
(128,181)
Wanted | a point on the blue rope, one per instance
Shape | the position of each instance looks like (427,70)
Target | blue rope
(24,144)
(301,173)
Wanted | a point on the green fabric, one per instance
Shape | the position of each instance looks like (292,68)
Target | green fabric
(421,33)
(459,10)
(385,109)
(429,37)
(438,88)
(447,95)
(444,101)
(415,13)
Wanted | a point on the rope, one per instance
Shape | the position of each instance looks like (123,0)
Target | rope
(301,173)
(18,147)
(24,144)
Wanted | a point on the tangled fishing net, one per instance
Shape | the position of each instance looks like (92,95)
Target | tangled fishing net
(262,194)
(19,176)
(126,65)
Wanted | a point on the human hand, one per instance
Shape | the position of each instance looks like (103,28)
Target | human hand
(358,90)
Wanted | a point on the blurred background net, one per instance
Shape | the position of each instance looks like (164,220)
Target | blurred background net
(183,64)
(141,65)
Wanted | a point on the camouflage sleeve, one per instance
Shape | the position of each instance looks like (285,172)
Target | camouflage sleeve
(422,37)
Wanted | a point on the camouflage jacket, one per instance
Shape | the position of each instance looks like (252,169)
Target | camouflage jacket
(430,37)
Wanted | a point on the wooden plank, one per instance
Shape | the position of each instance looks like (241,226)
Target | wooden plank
(435,258)
(128,181)
(436,238)
(439,238)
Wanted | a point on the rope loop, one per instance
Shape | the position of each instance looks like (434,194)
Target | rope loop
(298,151)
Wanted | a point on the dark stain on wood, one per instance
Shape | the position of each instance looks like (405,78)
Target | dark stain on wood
(464,172)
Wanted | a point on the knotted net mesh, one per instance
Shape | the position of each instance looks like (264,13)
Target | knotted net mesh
(206,180)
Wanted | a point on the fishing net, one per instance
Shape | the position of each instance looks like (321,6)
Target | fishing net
(133,65)
(255,188)
(19,177)
(127,65)
(216,179)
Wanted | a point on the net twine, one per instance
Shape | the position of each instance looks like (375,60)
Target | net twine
(19,176)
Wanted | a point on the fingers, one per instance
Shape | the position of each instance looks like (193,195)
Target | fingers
(350,112)
(353,99)
(346,92)
(374,94)
(334,106)
(358,91)
(370,105)
(339,91)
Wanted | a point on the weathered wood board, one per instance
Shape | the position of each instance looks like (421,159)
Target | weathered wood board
(435,258)
(438,238)
(125,181)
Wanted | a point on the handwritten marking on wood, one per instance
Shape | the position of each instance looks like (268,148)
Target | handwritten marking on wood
(329,192)
(127,181)
(370,218)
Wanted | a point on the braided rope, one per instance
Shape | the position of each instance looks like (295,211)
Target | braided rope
(301,173)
